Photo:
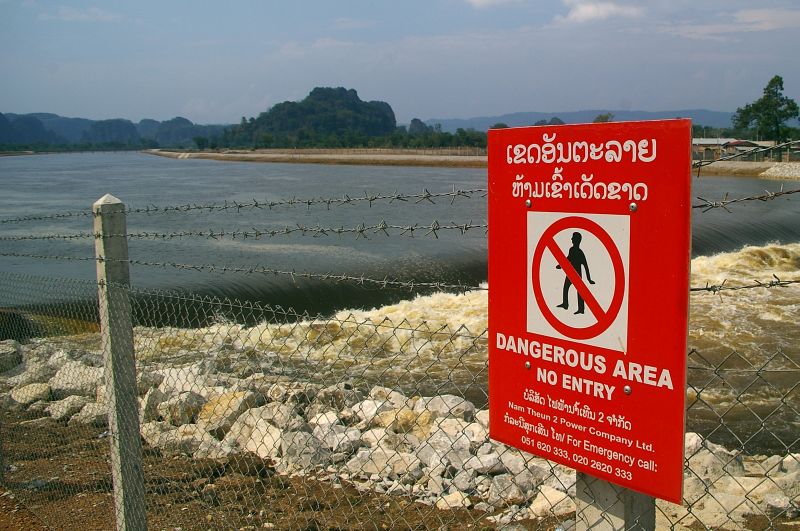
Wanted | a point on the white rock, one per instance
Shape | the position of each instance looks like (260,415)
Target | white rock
(371,461)
(791,463)
(710,467)
(324,419)
(476,433)
(397,399)
(451,426)
(186,439)
(482,418)
(366,410)
(146,380)
(181,409)
(504,491)
(301,450)
(30,393)
(447,406)
(551,502)
(562,478)
(338,396)
(284,416)
(151,432)
(75,378)
(441,447)
(339,439)
(778,505)
(66,408)
(454,500)
(485,464)
(32,371)
(464,480)
(213,449)
(379,436)
(92,414)
(405,466)
(182,379)
(720,509)
(148,405)
(219,413)
(264,440)
(10,355)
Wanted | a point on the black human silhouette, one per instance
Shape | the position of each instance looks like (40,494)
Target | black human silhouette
(577,259)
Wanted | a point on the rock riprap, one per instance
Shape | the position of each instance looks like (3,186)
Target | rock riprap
(435,449)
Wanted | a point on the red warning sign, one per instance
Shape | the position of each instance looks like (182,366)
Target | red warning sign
(589,253)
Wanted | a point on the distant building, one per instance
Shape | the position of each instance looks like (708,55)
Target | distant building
(709,148)
(716,148)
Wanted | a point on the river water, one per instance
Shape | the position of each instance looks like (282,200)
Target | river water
(751,335)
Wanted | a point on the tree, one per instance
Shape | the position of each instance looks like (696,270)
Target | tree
(418,127)
(603,118)
(201,142)
(499,125)
(769,113)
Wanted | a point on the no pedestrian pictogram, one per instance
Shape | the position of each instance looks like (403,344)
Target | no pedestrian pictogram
(574,251)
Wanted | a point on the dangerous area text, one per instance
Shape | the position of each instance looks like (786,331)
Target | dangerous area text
(585,361)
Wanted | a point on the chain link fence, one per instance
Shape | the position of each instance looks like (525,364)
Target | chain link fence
(254,416)
(347,422)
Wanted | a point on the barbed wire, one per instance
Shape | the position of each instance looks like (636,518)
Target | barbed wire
(423,197)
(707,205)
(45,217)
(385,282)
(318,230)
(34,237)
(774,283)
(49,257)
(360,231)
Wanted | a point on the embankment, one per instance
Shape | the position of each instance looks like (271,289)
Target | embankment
(764,170)
(354,157)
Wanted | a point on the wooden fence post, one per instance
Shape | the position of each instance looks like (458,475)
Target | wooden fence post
(603,505)
(116,327)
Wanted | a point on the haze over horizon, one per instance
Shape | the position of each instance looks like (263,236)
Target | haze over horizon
(436,59)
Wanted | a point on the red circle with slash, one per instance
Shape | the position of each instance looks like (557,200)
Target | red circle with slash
(605,317)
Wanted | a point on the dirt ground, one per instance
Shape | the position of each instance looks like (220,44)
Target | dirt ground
(58,478)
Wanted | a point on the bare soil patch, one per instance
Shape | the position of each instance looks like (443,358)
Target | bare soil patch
(60,477)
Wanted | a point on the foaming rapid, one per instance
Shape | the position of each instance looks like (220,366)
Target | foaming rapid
(744,348)
(756,322)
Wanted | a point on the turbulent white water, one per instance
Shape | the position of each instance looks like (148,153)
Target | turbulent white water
(439,340)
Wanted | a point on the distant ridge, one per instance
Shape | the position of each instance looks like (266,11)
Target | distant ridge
(518,119)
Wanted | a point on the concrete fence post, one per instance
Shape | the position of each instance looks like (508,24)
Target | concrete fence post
(603,505)
(116,327)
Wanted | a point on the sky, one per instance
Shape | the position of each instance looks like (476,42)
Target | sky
(214,62)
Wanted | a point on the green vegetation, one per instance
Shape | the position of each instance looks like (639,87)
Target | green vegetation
(604,118)
(337,118)
(50,132)
(768,114)
(331,118)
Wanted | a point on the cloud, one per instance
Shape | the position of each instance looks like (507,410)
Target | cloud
(352,24)
(742,21)
(489,3)
(581,11)
(91,14)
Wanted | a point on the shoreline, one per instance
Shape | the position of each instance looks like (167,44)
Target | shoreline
(763,170)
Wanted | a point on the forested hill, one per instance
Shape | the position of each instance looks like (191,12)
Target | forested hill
(326,117)
(50,131)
